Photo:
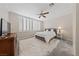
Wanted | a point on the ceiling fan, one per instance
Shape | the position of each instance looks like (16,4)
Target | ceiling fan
(43,14)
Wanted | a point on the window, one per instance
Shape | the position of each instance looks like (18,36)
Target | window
(29,24)
(35,25)
(38,24)
(20,24)
(24,24)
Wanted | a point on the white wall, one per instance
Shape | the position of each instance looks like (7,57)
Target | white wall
(61,15)
(14,20)
(77,30)
(63,18)
(4,14)
(74,29)
(26,9)
(64,21)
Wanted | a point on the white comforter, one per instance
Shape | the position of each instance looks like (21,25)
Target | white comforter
(46,34)
(35,47)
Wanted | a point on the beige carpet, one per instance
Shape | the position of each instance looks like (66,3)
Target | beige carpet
(63,48)
(35,47)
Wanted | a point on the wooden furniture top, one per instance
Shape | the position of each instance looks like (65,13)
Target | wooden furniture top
(9,35)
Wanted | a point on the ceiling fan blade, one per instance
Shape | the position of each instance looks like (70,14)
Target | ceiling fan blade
(46,13)
(44,16)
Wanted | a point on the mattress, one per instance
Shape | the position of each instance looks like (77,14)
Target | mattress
(35,47)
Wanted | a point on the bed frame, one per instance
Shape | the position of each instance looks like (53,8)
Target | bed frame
(47,29)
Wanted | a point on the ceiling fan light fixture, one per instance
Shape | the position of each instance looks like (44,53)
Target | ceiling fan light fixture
(44,13)
(51,4)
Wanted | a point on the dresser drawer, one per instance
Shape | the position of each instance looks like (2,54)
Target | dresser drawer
(7,43)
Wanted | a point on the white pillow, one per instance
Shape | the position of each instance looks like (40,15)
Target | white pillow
(46,34)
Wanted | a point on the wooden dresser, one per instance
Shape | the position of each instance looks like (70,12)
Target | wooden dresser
(8,44)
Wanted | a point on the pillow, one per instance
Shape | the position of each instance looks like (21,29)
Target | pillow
(46,34)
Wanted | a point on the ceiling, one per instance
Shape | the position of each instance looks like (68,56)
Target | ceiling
(32,9)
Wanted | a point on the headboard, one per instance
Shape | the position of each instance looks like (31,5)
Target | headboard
(50,29)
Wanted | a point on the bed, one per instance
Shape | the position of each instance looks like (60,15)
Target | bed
(36,46)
